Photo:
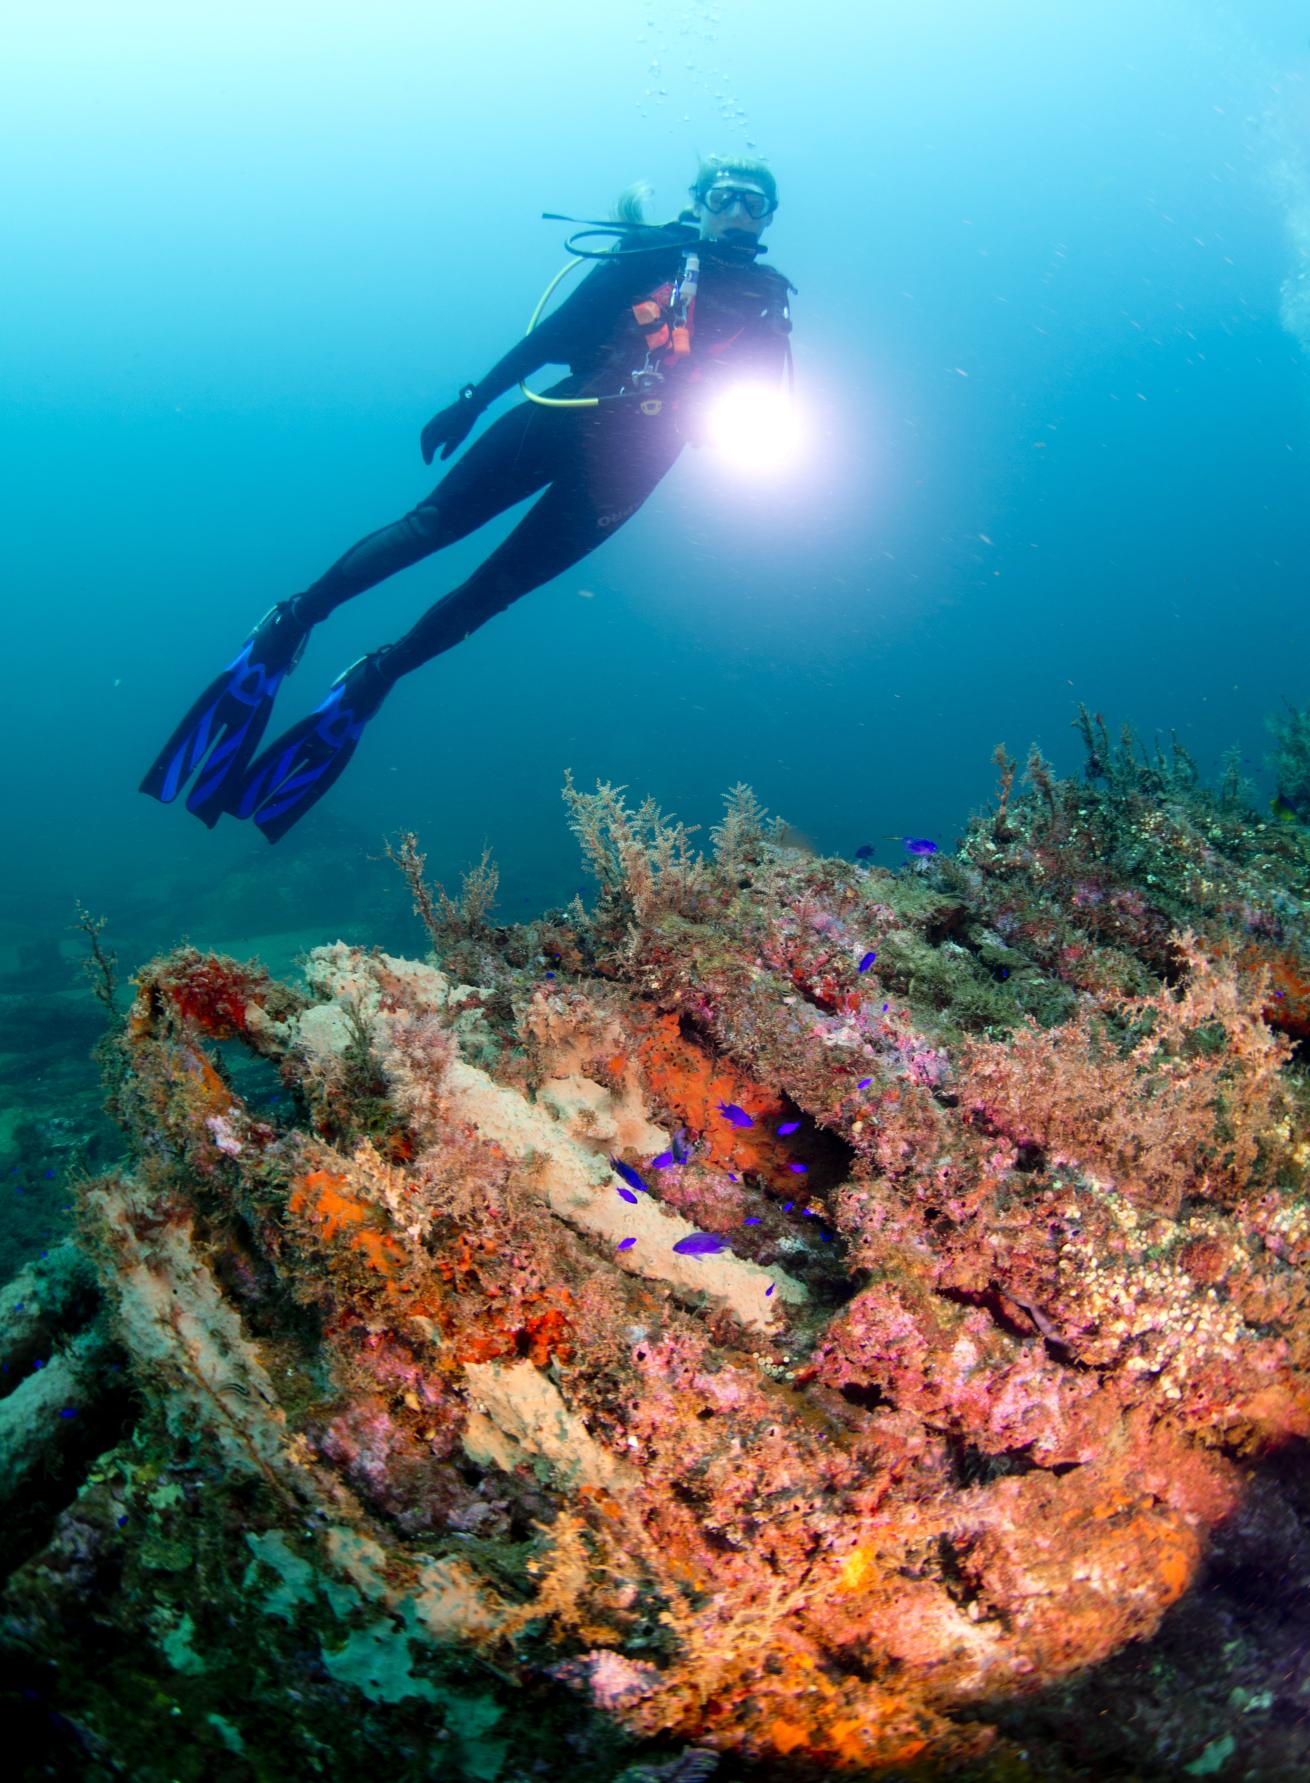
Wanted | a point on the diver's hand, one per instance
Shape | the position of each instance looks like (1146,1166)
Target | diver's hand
(451,427)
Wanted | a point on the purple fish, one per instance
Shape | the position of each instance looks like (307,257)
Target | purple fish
(787,1127)
(866,962)
(864,1083)
(628,1174)
(919,845)
(663,1161)
(798,1169)
(625,1244)
(738,1116)
(700,1244)
(769,1289)
(627,1195)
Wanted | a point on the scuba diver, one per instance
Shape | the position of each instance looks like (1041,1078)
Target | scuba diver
(670,315)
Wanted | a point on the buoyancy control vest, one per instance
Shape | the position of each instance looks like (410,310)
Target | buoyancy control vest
(672,338)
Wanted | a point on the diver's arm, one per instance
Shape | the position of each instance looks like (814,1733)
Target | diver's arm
(761,352)
(765,357)
(568,333)
(565,335)
(767,349)
(525,357)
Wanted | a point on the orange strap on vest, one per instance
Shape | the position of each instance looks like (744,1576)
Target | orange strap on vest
(653,309)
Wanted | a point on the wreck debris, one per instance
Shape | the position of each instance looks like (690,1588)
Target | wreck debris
(955,1294)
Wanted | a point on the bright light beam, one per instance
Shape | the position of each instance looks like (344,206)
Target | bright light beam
(755,427)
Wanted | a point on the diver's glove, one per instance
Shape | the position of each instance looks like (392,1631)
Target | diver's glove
(452,426)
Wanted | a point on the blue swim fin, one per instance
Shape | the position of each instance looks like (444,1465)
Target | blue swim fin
(298,767)
(222,730)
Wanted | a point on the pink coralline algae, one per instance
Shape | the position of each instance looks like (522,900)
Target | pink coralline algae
(1004,1313)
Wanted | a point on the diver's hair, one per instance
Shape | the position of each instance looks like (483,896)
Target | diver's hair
(630,205)
(747,167)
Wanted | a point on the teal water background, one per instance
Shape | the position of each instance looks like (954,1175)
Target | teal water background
(1052,346)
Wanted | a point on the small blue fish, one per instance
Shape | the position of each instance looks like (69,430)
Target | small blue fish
(753,1221)
(627,1195)
(628,1174)
(769,1289)
(625,1244)
(866,962)
(678,1153)
(863,853)
(919,845)
(700,1244)
(787,1127)
(798,1169)
(738,1116)
(864,1083)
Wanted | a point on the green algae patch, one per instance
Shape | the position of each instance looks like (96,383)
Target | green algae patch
(377,1660)
(176,1647)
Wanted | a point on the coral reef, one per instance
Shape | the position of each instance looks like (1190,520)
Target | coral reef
(1291,762)
(789,1316)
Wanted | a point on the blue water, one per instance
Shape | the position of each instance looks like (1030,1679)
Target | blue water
(1047,344)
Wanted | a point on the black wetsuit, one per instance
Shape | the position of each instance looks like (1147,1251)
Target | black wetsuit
(595,465)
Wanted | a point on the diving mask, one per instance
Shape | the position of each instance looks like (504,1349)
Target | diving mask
(755,203)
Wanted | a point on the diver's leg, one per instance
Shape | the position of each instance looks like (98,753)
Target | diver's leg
(510,462)
(601,491)
(217,738)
